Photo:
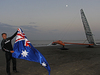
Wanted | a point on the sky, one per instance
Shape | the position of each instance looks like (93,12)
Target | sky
(49,19)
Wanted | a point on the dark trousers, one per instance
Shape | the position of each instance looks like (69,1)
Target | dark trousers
(8,59)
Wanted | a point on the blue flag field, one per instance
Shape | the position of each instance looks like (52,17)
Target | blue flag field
(23,49)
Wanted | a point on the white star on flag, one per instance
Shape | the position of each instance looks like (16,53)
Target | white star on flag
(24,53)
(44,64)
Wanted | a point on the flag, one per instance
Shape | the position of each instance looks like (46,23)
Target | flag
(23,49)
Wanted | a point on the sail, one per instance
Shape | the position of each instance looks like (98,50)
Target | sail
(87,29)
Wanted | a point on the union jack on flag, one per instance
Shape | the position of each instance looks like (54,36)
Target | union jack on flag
(21,36)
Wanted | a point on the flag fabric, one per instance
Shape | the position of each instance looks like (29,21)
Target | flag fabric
(23,49)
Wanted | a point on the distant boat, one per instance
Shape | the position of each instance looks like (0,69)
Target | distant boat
(89,35)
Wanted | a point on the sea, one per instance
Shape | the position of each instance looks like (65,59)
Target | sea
(41,43)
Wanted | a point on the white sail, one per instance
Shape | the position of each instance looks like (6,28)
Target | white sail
(87,29)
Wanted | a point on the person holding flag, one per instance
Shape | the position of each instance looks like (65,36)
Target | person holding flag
(8,49)
(23,49)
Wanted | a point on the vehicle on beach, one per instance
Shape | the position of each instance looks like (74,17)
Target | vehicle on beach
(91,42)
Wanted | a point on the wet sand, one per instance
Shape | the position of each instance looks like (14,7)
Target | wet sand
(78,60)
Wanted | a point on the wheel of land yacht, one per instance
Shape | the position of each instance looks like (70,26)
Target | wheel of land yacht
(90,46)
(63,48)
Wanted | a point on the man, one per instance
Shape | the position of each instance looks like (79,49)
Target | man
(8,49)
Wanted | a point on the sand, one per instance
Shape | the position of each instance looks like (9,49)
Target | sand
(78,60)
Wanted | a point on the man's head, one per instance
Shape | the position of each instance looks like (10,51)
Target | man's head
(4,35)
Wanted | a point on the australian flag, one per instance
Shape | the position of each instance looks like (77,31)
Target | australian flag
(23,49)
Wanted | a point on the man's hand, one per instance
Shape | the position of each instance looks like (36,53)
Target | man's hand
(11,51)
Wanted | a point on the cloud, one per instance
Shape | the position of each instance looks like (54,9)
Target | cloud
(35,26)
(6,27)
(32,23)
(29,28)
(10,28)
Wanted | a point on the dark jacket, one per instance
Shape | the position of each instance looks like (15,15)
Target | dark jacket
(6,44)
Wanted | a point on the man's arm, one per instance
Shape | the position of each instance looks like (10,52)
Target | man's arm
(2,46)
(13,35)
(5,50)
(8,50)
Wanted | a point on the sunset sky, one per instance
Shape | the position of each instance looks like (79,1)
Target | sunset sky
(49,19)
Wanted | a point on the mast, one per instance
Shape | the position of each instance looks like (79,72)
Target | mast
(87,29)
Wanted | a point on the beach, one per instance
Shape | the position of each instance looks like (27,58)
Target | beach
(78,60)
